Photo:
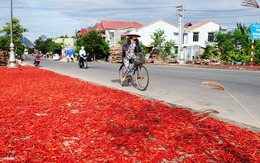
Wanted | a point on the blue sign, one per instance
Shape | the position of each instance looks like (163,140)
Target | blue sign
(255,32)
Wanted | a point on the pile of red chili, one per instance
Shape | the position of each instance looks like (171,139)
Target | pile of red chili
(47,117)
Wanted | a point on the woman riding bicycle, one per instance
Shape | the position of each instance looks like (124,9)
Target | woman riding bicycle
(130,48)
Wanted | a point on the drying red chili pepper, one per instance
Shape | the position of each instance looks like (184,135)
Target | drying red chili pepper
(41,121)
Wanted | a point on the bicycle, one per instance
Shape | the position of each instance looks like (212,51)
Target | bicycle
(138,73)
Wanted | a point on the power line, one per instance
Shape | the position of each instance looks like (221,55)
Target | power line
(95,8)
(221,13)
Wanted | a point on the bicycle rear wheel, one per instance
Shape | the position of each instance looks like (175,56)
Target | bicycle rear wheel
(142,78)
(86,64)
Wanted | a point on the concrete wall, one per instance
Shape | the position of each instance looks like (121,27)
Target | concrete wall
(68,42)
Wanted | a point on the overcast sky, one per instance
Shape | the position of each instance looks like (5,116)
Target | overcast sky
(55,18)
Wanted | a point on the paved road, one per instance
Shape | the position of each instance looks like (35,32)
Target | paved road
(180,85)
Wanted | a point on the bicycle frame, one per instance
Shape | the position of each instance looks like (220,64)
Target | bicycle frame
(141,79)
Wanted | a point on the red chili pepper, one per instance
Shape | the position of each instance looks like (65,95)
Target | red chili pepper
(103,125)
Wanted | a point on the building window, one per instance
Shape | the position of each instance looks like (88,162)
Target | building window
(196,36)
(210,37)
(176,34)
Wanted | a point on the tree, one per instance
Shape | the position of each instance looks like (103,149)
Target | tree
(66,36)
(18,31)
(30,50)
(19,49)
(225,46)
(45,45)
(94,45)
(4,43)
(160,43)
(40,44)
(48,44)
(55,48)
(234,45)
(158,38)
(210,51)
(122,41)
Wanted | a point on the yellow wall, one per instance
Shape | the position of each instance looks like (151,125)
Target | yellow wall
(68,42)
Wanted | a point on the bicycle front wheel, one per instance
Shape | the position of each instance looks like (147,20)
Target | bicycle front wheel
(142,78)
(122,81)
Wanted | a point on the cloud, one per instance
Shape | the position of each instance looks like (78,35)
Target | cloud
(54,18)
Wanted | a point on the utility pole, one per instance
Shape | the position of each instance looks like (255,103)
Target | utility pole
(12,62)
(180,43)
(254,4)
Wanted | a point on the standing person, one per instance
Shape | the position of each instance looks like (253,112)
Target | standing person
(82,54)
(67,53)
(130,47)
(72,55)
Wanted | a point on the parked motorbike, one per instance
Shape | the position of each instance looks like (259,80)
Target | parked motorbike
(37,61)
(83,61)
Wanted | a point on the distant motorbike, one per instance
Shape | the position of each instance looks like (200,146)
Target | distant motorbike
(37,61)
(83,61)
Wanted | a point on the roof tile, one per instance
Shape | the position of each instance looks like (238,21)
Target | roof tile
(199,24)
(111,24)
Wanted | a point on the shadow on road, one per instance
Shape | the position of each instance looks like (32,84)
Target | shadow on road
(115,81)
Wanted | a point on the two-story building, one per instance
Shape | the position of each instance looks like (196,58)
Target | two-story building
(195,37)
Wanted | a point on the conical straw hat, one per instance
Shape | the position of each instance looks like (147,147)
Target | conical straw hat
(133,33)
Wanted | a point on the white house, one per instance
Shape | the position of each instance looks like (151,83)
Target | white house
(113,30)
(195,36)
(120,33)
(201,33)
(170,31)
